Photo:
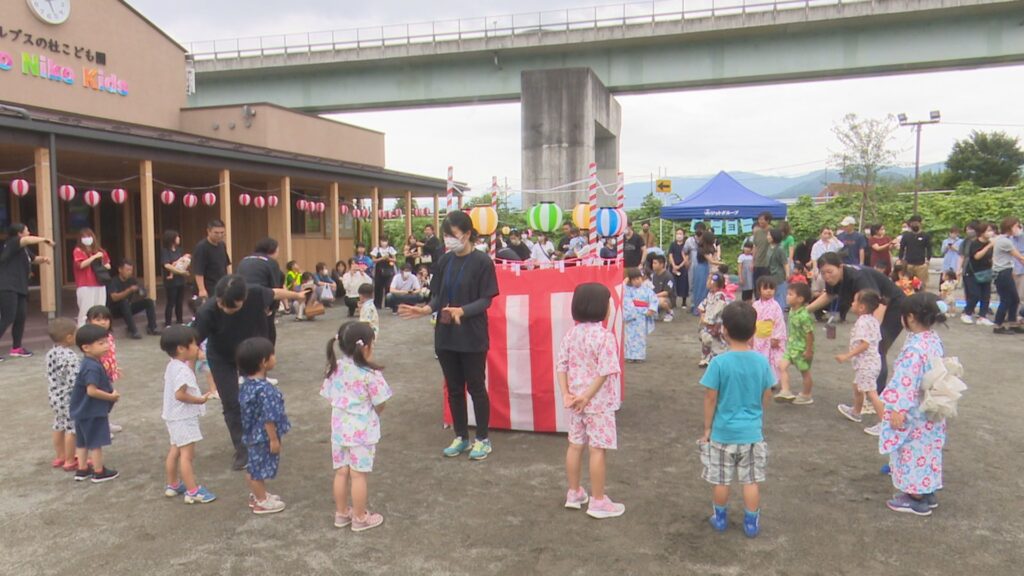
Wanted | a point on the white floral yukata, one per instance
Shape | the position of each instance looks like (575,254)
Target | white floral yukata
(587,351)
(354,392)
(635,304)
(61,371)
(868,363)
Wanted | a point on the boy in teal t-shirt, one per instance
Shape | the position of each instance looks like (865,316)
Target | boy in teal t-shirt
(738,385)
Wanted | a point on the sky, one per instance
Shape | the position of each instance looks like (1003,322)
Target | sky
(782,129)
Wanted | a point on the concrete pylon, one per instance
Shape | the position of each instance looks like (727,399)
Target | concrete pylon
(569,120)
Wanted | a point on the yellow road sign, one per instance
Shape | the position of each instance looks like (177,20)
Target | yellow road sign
(663,186)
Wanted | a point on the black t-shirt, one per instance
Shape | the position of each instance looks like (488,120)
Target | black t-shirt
(632,251)
(226,331)
(856,279)
(983,263)
(520,249)
(15,266)
(261,270)
(662,282)
(915,248)
(118,285)
(432,248)
(168,256)
(563,244)
(211,262)
(676,255)
(463,282)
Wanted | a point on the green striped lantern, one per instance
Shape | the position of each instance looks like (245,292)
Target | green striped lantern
(546,217)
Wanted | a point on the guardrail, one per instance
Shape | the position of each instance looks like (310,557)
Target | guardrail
(512,25)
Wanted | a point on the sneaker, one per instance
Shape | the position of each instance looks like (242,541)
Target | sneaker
(751,523)
(115,428)
(885,470)
(241,461)
(20,353)
(172,490)
(967,319)
(847,411)
(1018,329)
(702,364)
(201,496)
(802,400)
(83,475)
(874,430)
(904,503)
(368,521)
(868,409)
(605,508)
(481,449)
(342,520)
(268,506)
(458,446)
(785,397)
(1002,330)
(135,336)
(719,519)
(668,318)
(932,500)
(576,500)
(982,321)
(252,498)
(103,475)
(272,381)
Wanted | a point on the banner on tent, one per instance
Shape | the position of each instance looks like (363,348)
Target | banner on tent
(726,227)
(526,323)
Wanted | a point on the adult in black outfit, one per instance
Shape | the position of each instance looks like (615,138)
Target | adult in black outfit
(174,275)
(210,259)
(236,312)
(16,262)
(261,269)
(431,248)
(843,281)
(462,288)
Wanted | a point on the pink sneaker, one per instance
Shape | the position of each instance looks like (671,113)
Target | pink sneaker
(369,520)
(576,499)
(605,508)
(342,520)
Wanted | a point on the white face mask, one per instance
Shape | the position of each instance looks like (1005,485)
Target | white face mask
(87,241)
(405,274)
(453,244)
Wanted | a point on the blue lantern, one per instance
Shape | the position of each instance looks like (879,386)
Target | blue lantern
(611,221)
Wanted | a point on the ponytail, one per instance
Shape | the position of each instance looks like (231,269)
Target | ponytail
(332,357)
(354,338)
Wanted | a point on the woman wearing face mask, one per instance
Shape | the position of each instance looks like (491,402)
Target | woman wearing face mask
(1004,254)
(384,257)
(88,289)
(175,265)
(462,288)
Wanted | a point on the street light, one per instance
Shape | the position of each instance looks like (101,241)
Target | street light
(933,118)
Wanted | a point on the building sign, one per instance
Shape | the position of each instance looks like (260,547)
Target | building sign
(48,59)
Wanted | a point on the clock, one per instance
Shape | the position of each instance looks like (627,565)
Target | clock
(51,11)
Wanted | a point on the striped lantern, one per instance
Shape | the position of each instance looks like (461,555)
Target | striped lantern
(167,197)
(321,207)
(244,199)
(66,192)
(581,215)
(485,219)
(301,204)
(546,217)
(209,198)
(272,201)
(259,202)
(398,212)
(190,200)
(610,221)
(19,187)
(343,209)
(91,197)
(119,195)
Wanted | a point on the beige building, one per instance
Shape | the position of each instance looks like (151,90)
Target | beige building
(95,99)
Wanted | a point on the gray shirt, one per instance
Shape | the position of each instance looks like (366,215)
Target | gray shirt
(1002,253)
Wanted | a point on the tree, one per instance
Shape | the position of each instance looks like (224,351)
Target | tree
(866,150)
(650,208)
(400,203)
(986,159)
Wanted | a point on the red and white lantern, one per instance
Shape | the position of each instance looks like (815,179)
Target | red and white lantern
(91,197)
(302,205)
(259,201)
(209,198)
(66,192)
(272,201)
(398,212)
(167,197)
(190,200)
(343,209)
(321,207)
(19,187)
(244,199)
(119,195)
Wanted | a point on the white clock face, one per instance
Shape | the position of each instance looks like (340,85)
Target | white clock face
(51,11)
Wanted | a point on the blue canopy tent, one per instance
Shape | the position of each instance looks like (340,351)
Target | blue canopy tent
(723,197)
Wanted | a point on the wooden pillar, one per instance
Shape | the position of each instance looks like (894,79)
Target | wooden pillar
(335,220)
(225,209)
(279,224)
(149,256)
(375,237)
(437,217)
(128,228)
(44,223)
(408,215)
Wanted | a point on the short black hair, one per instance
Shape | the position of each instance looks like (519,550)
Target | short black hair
(739,320)
(658,258)
(776,235)
(61,328)
(126,262)
(89,334)
(830,259)
(870,299)
(174,337)
(765,282)
(590,302)
(231,290)
(748,244)
(98,312)
(458,219)
(251,353)
(633,274)
(924,307)
(215,223)
(169,237)
(407,266)
(766,215)
(266,246)
(803,291)
(914,218)
(366,289)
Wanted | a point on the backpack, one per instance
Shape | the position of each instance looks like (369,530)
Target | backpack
(942,388)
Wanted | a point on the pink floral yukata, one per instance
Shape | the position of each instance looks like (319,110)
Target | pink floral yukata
(353,392)
(587,351)
(771,324)
(915,451)
(109,361)
(867,364)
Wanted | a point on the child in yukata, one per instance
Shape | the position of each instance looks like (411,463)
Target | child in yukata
(711,341)
(770,335)
(640,306)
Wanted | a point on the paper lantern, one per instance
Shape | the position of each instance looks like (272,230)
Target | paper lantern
(119,195)
(91,197)
(343,209)
(259,202)
(190,200)
(610,221)
(19,187)
(546,217)
(485,219)
(398,212)
(321,207)
(581,215)
(272,201)
(66,193)
(244,199)
(209,198)
(167,197)
(301,204)
(505,230)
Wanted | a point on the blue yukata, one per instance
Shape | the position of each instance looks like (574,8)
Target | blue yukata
(915,451)
(636,302)
(261,402)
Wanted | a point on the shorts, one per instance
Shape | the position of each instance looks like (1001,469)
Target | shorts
(92,433)
(62,421)
(866,380)
(594,430)
(721,460)
(358,458)
(796,358)
(184,432)
(262,464)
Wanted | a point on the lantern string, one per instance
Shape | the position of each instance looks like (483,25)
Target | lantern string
(71,178)
(25,169)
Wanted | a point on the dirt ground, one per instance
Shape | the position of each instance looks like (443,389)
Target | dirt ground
(823,503)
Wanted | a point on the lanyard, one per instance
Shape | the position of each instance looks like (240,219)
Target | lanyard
(451,284)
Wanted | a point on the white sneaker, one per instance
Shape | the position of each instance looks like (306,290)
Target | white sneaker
(967,319)
(867,409)
(982,321)
(874,430)
(668,318)
(114,428)
(273,381)
(268,506)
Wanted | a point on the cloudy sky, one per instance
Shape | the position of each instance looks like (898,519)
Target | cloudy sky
(779,129)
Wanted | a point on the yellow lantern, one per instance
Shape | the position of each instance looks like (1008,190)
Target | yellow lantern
(505,230)
(485,219)
(581,215)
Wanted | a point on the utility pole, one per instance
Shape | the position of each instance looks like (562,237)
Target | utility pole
(933,118)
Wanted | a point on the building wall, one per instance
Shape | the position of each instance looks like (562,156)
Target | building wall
(151,65)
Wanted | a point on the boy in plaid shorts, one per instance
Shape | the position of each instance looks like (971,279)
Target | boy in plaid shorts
(738,385)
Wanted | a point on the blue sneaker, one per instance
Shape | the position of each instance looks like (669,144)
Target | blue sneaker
(885,470)
(202,496)
(481,449)
(751,523)
(720,519)
(932,500)
(172,490)
(904,503)
(458,446)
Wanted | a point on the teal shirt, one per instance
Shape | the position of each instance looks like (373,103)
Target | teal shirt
(740,379)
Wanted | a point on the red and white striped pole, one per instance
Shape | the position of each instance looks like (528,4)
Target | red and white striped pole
(620,203)
(494,204)
(592,175)
(451,189)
